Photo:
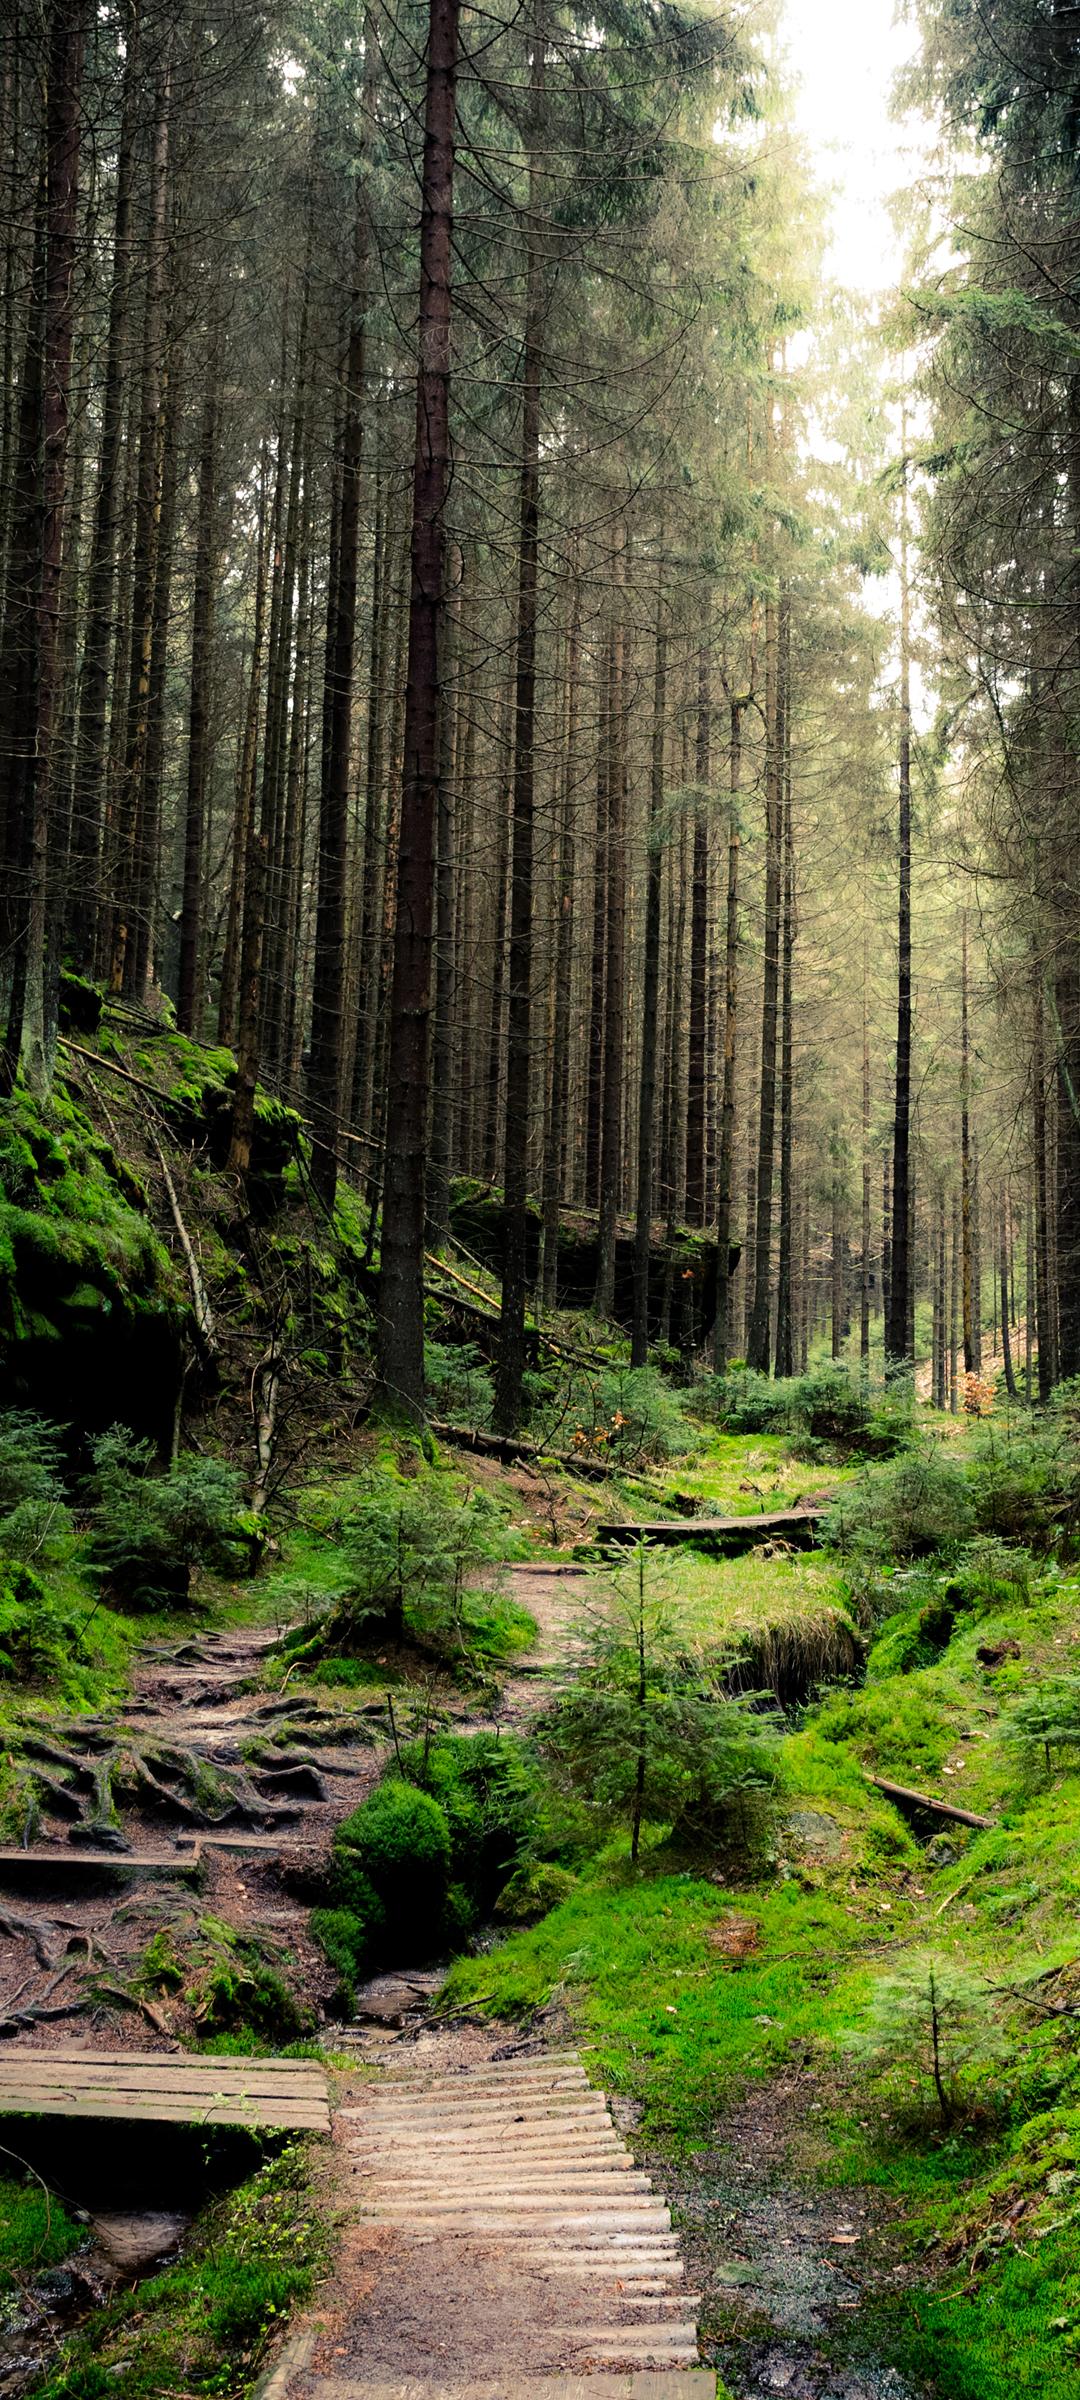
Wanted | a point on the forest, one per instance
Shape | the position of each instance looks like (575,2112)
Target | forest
(539,1197)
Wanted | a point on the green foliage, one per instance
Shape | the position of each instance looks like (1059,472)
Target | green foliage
(932,2022)
(1042,1727)
(460,1383)
(905,1508)
(150,1529)
(37,1634)
(1022,1472)
(348,1938)
(646,1732)
(397,1845)
(34,1518)
(489,1790)
(828,1405)
(202,2325)
(415,1559)
(630,1415)
(35,2229)
(234,1987)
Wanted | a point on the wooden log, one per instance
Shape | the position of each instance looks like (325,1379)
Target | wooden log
(938,1808)
(727,1535)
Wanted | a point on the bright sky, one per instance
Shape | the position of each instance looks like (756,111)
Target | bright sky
(845,54)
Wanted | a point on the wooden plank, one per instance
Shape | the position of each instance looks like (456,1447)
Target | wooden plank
(68,1859)
(151,2085)
(729,1534)
(66,2052)
(109,2079)
(158,2110)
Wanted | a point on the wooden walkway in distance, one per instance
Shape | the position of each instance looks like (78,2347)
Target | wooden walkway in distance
(729,1535)
(265,2094)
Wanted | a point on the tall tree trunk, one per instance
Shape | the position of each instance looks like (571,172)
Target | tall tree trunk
(85,895)
(442,1048)
(696,1070)
(1006,1336)
(785,1336)
(28,1048)
(328,987)
(510,1361)
(555,1145)
(611,1128)
(401,1272)
(128,801)
(650,996)
(597,974)
(758,1345)
(725,1173)
(966,1175)
(864,1265)
(897,1331)
(189,993)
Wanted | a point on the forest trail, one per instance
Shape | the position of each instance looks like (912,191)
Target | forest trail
(494,2225)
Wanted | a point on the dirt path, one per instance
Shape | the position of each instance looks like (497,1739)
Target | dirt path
(493,2221)
(274,1774)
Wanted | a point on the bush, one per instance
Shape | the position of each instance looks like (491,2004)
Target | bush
(1019,1477)
(828,1405)
(908,1507)
(34,1518)
(412,1552)
(36,1636)
(488,1791)
(397,1845)
(935,2020)
(647,1733)
(150,1529)
(347,1938)
(460,1383)
(1043,1725)
(629,1415)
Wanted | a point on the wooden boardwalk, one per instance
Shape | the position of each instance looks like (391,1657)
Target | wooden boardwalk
(264,2094)
(728,1535)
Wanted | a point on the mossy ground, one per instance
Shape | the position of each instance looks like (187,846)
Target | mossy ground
(202,2326)
(642,1959)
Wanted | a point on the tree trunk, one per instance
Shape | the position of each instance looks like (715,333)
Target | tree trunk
(198,761)
(611,1147)
(650,994)
(897,1329)
(725,1172)
(28,1049)
(555,1144)
(328,987)
(696,1073)
(966,1177)
(401,1272)
(90,758)
(510,1361)
(758,1344)
(785,1337)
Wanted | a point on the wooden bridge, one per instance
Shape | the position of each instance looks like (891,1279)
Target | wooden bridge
(264,2094)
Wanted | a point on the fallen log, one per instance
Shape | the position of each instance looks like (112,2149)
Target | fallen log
(728,1535)
(512,1453)
(937,1808)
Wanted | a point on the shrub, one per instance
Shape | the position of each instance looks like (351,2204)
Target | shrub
(629,1415)
(1019,1477)
(488,1789)
(412,1551)
(36,1635)
(34,1518)
(647,1733)
(460,1384)
(907,1507)
(397,1845)
(150,1529)
(1043,1725)
(934,2019)
(348,1939)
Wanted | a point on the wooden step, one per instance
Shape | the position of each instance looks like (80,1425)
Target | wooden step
(68,1862)
(673,2383)
(290,2094)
